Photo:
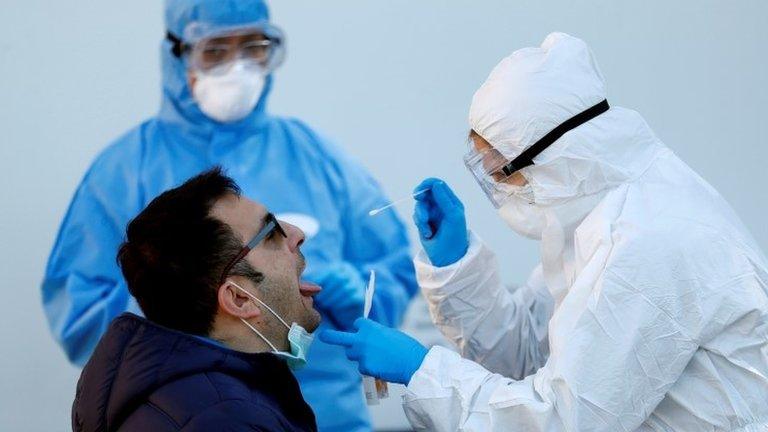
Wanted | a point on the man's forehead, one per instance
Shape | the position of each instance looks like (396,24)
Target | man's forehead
(480,142)
(244,215)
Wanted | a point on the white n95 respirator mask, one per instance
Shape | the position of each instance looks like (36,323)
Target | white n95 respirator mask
(523,216)
(230,95)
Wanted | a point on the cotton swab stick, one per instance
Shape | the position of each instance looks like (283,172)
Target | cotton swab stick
(375,389)
(374,212)
(369,294)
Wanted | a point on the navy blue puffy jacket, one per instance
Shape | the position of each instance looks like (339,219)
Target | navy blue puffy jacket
(144,377)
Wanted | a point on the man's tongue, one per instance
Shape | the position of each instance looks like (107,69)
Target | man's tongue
(308,289)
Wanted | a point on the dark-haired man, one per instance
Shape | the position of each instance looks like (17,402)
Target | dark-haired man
(227,316)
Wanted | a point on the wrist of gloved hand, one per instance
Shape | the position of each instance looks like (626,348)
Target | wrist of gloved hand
(392,354)
(412,362)
(448,253)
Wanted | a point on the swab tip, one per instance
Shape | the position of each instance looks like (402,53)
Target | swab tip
(374,212)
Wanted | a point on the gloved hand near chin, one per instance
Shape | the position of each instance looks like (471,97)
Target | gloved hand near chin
(380,351)
(439,217)
(343,294)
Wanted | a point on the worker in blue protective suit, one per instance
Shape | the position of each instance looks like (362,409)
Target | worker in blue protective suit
(216,64)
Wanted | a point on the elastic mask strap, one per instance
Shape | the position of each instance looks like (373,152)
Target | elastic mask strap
(262,303)
(260,335)
(526,158)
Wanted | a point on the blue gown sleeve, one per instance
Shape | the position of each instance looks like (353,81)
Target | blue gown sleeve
(83,288)
(377,243)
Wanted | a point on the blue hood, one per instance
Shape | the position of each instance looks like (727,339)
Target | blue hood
(178,106)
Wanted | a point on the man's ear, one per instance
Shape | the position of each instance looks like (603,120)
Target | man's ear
(237,303)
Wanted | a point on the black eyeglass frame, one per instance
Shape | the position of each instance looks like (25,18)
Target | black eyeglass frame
(271,224)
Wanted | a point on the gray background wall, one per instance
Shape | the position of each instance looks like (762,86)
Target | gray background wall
(391,81)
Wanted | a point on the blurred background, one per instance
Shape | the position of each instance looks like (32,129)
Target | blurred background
(390,81)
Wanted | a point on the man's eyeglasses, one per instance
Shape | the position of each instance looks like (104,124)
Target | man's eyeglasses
(269,228)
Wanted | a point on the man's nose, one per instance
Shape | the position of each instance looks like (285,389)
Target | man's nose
(295,236)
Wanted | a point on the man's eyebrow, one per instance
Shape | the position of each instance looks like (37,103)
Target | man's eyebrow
(263,221)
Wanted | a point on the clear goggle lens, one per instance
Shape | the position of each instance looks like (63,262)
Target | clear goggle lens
(486,167)
(216,53)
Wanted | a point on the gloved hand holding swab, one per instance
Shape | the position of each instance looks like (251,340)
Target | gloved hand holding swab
(374,212)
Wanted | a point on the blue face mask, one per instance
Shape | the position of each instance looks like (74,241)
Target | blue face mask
(298,337)
(299,340)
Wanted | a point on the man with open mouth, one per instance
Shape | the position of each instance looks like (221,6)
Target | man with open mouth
(228,317)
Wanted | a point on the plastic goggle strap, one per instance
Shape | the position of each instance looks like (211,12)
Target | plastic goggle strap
(526,158)
(178,46)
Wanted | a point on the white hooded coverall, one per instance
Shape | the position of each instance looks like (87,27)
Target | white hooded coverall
(649,311)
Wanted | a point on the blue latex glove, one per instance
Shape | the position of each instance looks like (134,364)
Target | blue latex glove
(343,294)
(439,217)
(380,351)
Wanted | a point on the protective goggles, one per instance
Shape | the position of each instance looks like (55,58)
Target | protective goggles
(493,171)
(214,50)
(487,167)
(271,226)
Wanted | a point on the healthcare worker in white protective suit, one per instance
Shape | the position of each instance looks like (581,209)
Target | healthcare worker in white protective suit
(649,310)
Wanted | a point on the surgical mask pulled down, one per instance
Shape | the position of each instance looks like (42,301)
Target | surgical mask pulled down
(231,94)
(298,338)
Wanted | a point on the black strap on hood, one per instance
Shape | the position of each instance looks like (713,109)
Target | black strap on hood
(526,158)
(179,47)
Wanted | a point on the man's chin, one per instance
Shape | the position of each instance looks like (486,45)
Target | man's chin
(313,321)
